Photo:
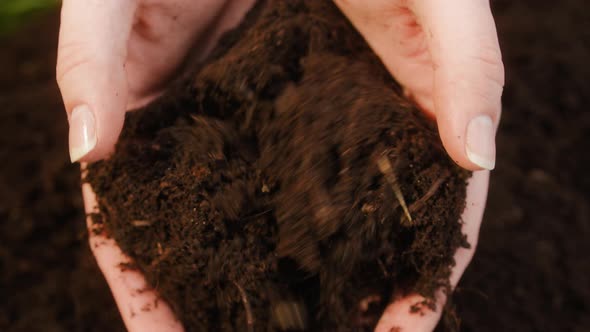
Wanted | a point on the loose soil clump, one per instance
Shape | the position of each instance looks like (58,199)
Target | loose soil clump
(286,184)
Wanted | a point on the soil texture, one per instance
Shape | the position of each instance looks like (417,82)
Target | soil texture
(286,185)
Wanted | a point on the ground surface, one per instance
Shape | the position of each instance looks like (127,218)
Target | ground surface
(531,271)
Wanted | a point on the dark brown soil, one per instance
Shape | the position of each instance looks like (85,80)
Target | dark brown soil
(531,271)
(262,195)
(48,278)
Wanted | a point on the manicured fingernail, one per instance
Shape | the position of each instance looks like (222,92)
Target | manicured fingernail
(480,142)
(82,132)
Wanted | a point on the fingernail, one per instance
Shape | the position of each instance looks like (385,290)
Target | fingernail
(82,132)
(480,142)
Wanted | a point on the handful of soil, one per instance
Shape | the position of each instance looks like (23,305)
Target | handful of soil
(286,184)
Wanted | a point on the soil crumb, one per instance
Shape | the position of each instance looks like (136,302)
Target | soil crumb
(285,184)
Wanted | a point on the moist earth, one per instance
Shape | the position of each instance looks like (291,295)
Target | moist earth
(285,184)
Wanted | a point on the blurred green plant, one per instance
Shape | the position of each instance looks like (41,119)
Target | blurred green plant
(15,12)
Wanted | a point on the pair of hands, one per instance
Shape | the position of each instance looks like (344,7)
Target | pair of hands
(117,55)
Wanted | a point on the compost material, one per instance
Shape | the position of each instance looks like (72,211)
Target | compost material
(285,184)
(530,272)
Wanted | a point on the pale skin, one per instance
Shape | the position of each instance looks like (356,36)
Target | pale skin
(117,55)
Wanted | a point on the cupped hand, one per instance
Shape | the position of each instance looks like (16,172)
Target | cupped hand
(117,55)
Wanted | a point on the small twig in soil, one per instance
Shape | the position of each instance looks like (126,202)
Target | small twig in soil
(249,116)
(256,215)
(385,168)
(366,302)
(141,223)
(265,188)
(246,302)
(431,191)
(290,316)
(163,254)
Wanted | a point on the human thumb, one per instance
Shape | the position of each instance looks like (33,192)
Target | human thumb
(468,77)
(91,73)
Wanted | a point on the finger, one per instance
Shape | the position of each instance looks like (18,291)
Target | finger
(140,307)
(468,77)
(91,72)
(165,32)
(398,314)
(477,194)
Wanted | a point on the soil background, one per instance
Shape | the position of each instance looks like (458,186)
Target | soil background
(531,271)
